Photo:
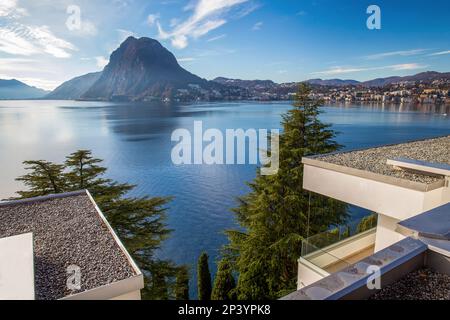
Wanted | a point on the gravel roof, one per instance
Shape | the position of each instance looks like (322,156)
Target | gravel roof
(67,231)
(423,284)
(374,160)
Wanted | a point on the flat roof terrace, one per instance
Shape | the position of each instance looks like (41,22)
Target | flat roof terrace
(68,230)
(374,160)
(423,284)
(399,181)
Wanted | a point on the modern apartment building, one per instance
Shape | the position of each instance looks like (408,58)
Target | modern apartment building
(407,187)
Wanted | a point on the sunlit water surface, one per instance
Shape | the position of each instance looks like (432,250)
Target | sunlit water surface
(135,141)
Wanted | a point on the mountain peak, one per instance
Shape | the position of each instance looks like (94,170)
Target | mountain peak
(140,69)
(143,50)
(131,40)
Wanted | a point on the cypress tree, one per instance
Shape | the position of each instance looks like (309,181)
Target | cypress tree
(278,213)
(346,233)
(224,283)
(204,278)
(182,284)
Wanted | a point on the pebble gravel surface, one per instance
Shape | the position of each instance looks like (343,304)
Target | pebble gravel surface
(374,160)
(67,231)
(423,284)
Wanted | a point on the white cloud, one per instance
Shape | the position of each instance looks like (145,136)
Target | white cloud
(10,9)
(216,38)
(101,61)
(406,66)
(345,70)
(257,26)
(207,15)
(152,19)
(18,65)
(340,70)
(180,41)
(12,43)
(27,40)
(88,28)
(440,53)
(246,10)
(48,42)
(121,3)
(402,53)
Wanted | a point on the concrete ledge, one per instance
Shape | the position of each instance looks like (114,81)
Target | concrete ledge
(439,169)
(111,291)
(433,224)
(42,199)
(417,186)
(309,273)
(394,262)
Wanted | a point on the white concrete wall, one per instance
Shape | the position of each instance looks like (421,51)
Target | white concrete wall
(387,226)
(308,273)
(436,198)
(135,295)
(17,268)
(393,202)
(397,202)
(127,289)
(386,234)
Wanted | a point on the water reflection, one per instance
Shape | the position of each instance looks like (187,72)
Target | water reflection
(419,108)
(134,140)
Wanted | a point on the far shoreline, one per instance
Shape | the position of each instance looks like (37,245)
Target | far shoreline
(325,104)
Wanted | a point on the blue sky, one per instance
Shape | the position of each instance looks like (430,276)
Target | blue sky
(281,40)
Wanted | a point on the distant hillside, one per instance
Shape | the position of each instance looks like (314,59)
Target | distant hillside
(143,70)
(258,85)
(428,76)
(14,89)
(74,89)
(248,84)
(332,82)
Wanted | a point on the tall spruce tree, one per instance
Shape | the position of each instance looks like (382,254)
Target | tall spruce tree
(182,284)
(204,278)
(139,222)
(278,213)
(224,283)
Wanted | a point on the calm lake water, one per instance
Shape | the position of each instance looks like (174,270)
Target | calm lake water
(135,141)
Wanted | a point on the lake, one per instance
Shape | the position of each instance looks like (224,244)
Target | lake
(135,141)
